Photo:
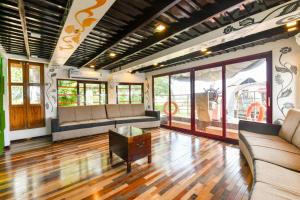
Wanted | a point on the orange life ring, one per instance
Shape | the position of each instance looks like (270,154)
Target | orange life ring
(252,106)
(166,108)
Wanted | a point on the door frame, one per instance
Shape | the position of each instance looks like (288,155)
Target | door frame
(269,86)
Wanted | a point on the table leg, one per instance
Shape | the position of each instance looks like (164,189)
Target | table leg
(149,158)
(128,167)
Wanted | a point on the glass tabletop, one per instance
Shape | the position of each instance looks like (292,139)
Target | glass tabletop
(129,131)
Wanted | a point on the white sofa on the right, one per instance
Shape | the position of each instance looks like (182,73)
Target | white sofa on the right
(273,154)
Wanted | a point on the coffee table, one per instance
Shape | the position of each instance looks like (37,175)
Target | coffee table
(129,143)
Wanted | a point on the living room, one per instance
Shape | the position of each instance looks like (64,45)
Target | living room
(120,99)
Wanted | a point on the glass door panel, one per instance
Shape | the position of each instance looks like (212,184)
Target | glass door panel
(123,94)
(81,94)
(181,100)
(208,101)
(136,94)
(161,98)
(246,94)
(92,93)
(103,93)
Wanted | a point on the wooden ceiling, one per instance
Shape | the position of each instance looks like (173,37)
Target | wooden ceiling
(127,29)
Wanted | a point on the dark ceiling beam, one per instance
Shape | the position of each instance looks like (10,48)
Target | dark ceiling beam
(24,26)
(241,43)
(150,14)
(207,11)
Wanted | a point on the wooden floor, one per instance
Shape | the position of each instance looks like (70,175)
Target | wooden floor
(183,167)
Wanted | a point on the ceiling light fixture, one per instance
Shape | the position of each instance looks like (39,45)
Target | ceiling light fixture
(292,29)
(291,24)
(92,66)
(155,64)
(112,55)
(160,28)
(208,52)
(204,50)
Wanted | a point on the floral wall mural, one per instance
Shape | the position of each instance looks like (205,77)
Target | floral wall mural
(50,91)
(284,78)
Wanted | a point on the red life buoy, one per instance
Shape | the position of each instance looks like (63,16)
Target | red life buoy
(166,108)
(252,106)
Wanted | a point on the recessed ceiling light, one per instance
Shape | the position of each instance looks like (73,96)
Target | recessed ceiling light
(112,55)
(208,52)
(204,50)
(155,64)
(160,28)
(35,35)
(92,66)
(291,24)
(292,29)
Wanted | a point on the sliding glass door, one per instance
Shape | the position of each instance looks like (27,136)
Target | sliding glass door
(161,91)
(246,94)
(210,100)
(181,100)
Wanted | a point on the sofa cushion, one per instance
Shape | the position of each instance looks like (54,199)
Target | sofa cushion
(112,110)
(274,144)
(290,125)
(296,137)
(278,157)
(247,134)
(138,109)
(125,120)
(98,112)
(83,113)
(125,110)
(66,114)
(85,124)
(263,191)
(277,176)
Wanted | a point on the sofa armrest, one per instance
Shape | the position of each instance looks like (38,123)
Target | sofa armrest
(54,125)
(257,127)
(153,113)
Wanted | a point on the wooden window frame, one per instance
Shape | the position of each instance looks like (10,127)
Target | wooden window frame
(26,95)
(130,84)
(84,95)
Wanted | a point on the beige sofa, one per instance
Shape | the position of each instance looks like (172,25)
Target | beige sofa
(73,122)
(273,154)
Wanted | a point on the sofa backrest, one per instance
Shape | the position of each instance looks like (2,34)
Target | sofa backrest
(112,110)
(66,114)
(83,113)
(138,109)
(290,125)
(98,112)
(296,137)
(124,110)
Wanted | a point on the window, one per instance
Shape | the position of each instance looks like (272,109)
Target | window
(26,89)
(73,93)
(130,93)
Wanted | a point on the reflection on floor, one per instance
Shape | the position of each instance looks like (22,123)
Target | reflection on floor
(231,133)
(183,167)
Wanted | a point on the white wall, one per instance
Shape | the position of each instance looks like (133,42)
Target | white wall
(51,76)
(291,58)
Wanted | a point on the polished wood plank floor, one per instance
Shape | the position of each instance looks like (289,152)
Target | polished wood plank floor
(183,167)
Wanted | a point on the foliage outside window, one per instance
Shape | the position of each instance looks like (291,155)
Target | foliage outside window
(130,93)
(73,93)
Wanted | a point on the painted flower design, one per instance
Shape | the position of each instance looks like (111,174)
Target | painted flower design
(228,29)
(285,50)
(278,79)
(247,22)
